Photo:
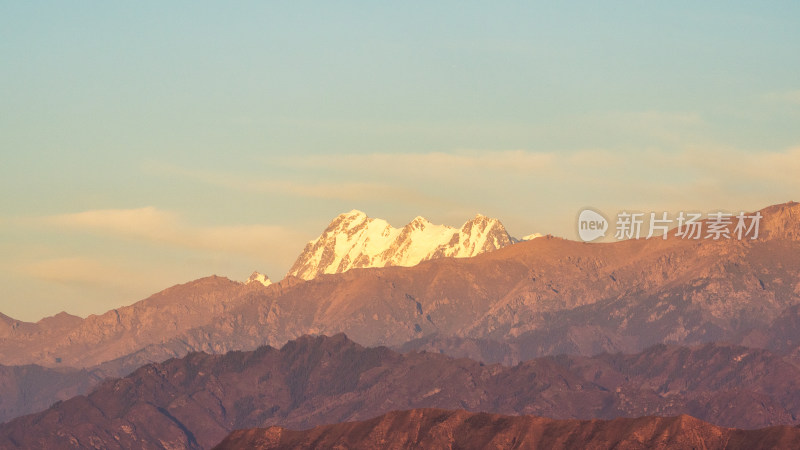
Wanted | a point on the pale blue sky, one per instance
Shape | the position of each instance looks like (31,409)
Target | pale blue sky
(149,144)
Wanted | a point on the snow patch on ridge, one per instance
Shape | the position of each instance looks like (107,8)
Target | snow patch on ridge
(260,278)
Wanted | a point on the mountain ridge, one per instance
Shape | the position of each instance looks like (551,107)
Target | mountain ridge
(196,400)
(549,295)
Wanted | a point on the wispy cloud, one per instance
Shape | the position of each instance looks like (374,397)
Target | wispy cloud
(516,161)
(423,179)
(653,117)
(732,167)
(778,166)
(670,128)
(548,184)
(167,228)
(790,96)
(79,270)
(269,184)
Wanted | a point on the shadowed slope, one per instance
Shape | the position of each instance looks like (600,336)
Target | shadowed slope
(197,400)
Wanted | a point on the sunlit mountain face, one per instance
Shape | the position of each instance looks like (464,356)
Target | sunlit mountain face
(368,225)
(353,240)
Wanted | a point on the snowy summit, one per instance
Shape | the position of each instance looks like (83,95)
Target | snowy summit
(353,240)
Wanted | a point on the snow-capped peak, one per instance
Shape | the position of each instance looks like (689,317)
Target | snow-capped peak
(354,240)
(260,278)
(531,237)
(353,214)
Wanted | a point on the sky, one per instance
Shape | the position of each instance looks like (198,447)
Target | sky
(148,144)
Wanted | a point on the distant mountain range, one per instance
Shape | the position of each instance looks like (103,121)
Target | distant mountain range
(540,297)
(195,401)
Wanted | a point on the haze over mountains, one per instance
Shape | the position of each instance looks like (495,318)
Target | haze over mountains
(515,303)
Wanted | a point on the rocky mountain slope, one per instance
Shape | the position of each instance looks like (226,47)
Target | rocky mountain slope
(353,240)
(195,401)
(436,428)
(540,297)
(123,331)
